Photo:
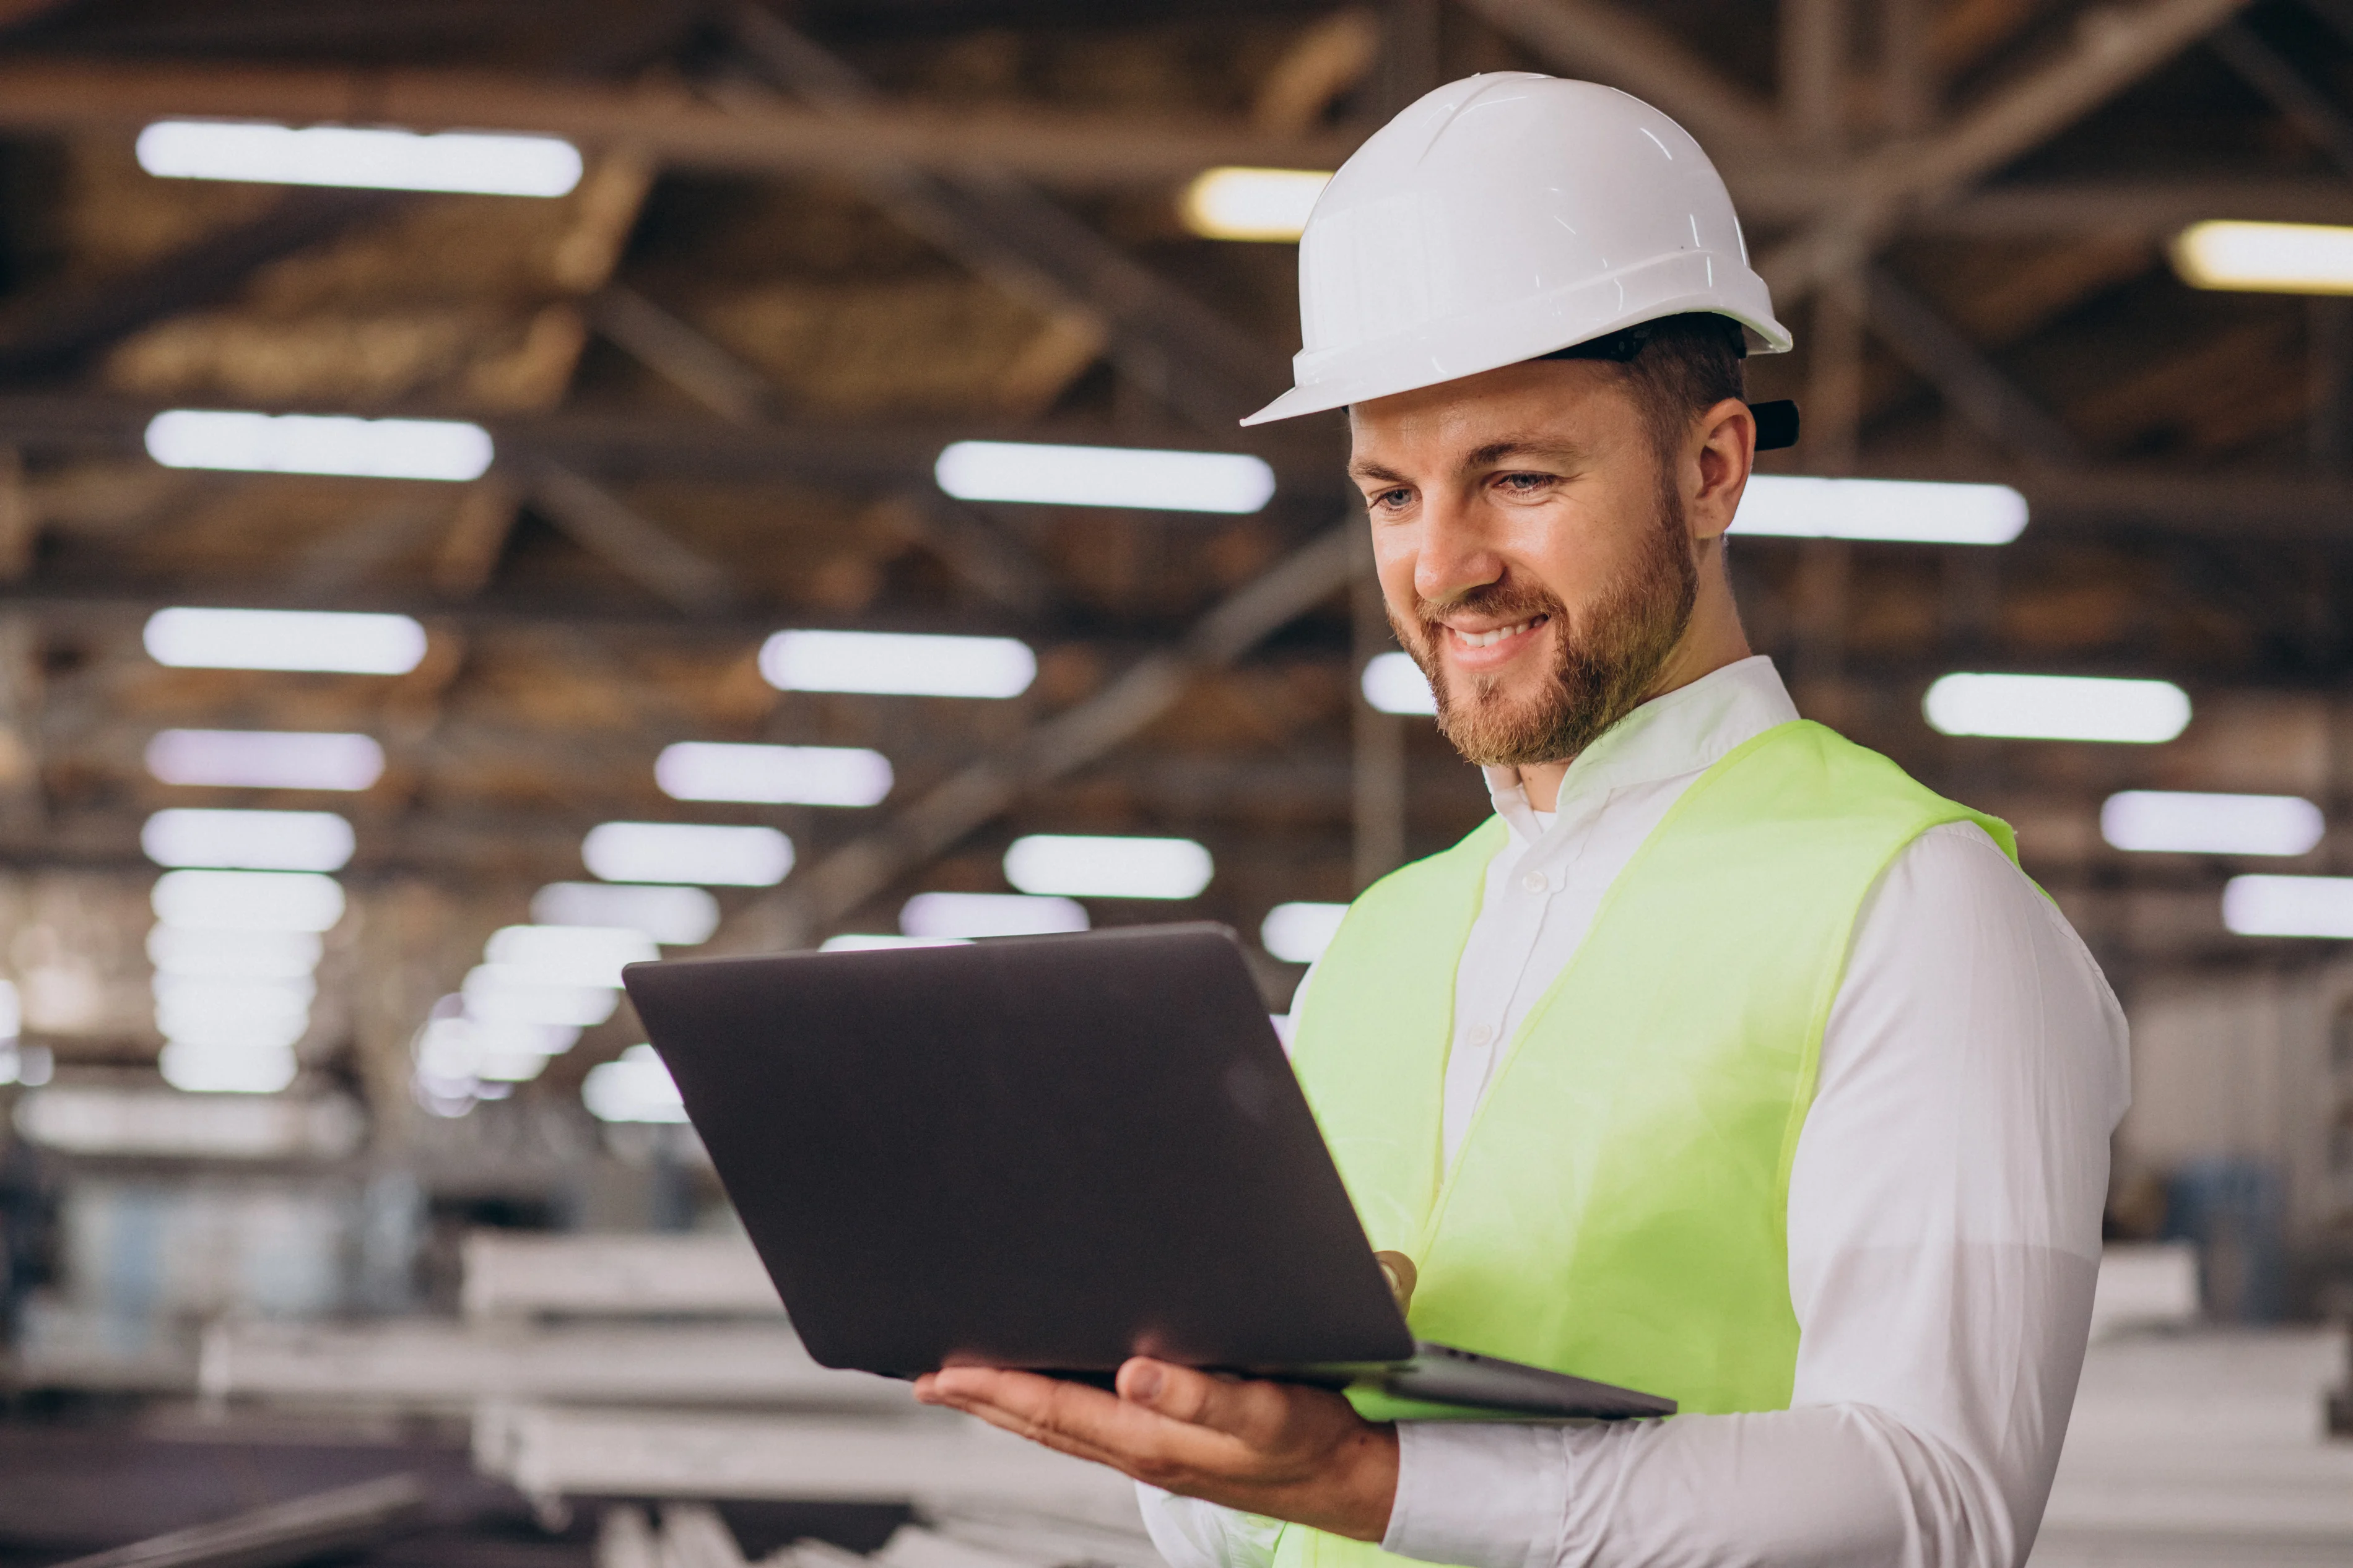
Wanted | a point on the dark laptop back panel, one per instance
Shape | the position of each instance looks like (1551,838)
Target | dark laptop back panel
(1049,1152)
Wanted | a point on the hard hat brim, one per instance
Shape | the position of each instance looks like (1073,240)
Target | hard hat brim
(1430,367)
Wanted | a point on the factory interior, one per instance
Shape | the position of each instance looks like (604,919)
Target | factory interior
(605,508)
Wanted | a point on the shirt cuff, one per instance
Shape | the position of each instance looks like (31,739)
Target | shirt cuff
(1480,1494)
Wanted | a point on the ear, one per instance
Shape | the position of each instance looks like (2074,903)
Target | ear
(1716,461)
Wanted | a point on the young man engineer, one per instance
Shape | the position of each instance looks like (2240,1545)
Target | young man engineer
(1724,1061)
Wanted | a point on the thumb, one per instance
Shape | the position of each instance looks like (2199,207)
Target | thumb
(1188,1394)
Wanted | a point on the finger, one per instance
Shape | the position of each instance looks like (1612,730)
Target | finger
(1255,1411)
(1140,1441)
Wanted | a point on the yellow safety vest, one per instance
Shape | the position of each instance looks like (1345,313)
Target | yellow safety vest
(1618,1208)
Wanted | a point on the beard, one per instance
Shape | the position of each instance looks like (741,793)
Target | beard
(1605,664)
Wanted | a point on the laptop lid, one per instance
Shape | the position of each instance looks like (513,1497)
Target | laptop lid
(1051,1153)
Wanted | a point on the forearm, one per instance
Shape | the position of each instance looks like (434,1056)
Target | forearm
(1823,1487)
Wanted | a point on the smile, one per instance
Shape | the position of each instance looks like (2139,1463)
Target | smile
(1489,639)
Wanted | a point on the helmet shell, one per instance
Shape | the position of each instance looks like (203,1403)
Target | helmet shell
(1503,217)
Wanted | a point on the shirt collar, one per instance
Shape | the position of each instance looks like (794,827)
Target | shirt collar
(1683,732)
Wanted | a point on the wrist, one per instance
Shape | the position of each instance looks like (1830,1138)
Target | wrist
(1366,1483)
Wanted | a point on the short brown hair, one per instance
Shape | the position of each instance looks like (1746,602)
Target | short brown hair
(1688,366)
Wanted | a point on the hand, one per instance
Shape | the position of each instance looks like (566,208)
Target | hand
(1276,1448)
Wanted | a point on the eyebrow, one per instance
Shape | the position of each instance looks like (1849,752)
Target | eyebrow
(1486,456)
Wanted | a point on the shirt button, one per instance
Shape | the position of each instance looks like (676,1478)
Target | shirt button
(1480,1033)
(1534,882)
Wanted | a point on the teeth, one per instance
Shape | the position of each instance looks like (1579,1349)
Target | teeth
(1489,639)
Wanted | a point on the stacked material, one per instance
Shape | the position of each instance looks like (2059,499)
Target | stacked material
(661,1367)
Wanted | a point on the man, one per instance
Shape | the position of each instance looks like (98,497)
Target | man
(1725,1061)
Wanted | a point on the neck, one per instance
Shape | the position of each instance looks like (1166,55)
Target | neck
(1714,638)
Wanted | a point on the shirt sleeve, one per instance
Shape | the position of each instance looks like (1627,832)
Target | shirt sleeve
(1944,1233)
(1191,1533)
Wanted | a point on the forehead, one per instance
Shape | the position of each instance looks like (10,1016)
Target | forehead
(1569,405)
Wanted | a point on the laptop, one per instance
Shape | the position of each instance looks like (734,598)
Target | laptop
(1050,1153)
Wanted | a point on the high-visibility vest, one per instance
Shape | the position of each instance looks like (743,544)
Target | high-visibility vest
(1618,1208)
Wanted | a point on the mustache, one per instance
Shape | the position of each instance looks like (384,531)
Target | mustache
(1508,602)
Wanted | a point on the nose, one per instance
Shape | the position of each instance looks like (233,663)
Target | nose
(1455,555)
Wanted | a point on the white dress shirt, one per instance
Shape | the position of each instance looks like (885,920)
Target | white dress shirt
(1944,1217)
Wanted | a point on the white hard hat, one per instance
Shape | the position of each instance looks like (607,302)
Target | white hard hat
(1502,218)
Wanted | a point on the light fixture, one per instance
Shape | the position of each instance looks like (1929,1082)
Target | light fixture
(2057,708)
(674,917)
(504,994)
(1912,512)
(909,664)
(338,444)
(687,852)
(635,1088)
(568,954)
(1393,683)
(334,641)
(233,954)
(1142,477)
(454,1054)
(95,1119)
(988,914)
(248,840)
(248,901)
(1298,933)
(2186,822)
(1251,203)
(2289,906)
(264,759)
(2266,258)
(235,1067)
(367,158)
(871,941)
(773,776)
(265,1015)
(1085,865)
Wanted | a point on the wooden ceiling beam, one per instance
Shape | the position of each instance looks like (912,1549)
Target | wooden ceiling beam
(669,124)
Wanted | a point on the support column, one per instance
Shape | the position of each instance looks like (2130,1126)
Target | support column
(1833,417)
(1907,88)
(1814,44)
(2329,423)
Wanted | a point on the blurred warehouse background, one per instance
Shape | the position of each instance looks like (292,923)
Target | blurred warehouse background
(495,489)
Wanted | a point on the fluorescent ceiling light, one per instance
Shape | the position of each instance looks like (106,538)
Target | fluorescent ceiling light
(1251,203)
(908,664)
(636,1088)
(2058,708)
(203,1068)
(675,917)
(988,914)
(773,776)
(1298,933)
(233,954)
(569,955)
(1152,481)
(357,157)
(869,942)
(248,840)
(341,444)
(687,852)
(2266,258)
(2198,824)
(2289,906)
(504,994)
(91,1120)
(248,901)
(336,642)
(264,759)
(1912,512)
(452,1054)
(1393,683)
(1107,867)
(232,1015)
